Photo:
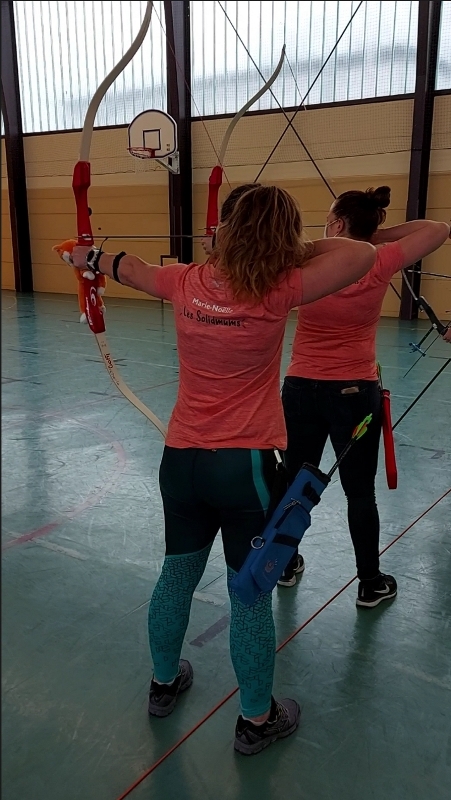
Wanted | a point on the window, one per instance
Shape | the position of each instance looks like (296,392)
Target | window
(376,56)
(66,49)
(444,49)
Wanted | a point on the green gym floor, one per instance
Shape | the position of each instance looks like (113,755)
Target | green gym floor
(83,546)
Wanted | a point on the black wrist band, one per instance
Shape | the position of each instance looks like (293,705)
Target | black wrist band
(116,263)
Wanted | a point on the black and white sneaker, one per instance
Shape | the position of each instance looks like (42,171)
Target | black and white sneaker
(288,577)
(163,696)
(375,591)
(282,721)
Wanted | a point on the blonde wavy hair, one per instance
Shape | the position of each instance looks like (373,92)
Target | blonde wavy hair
(260,241)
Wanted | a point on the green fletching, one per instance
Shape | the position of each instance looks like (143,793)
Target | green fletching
(362,428)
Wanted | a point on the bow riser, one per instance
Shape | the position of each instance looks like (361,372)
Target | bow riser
(81,181)
(214,185)
(436,323)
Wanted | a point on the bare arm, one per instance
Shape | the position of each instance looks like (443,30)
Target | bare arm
(335,263)
(133,271)
(321,246)
(417,238)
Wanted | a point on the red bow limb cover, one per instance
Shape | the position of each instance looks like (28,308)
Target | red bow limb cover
(214,185)
(389,444)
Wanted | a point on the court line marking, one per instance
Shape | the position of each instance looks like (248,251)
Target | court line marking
(92,498)
(66,551)
(218,626)
(283,644)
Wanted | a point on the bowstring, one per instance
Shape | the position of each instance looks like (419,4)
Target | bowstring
(298,91)
(289,120)
(304,108)
(302,103)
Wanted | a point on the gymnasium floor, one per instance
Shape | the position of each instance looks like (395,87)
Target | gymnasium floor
(83,545)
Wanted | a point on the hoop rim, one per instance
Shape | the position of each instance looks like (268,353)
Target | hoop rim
(142,152)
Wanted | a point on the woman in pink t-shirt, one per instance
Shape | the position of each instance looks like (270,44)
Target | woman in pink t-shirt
(219,465)
(332,381)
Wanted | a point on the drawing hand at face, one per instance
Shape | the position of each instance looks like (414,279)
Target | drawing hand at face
(207,244)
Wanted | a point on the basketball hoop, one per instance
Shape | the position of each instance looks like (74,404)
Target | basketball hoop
(153,135)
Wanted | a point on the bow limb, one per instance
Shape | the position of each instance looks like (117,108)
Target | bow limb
(242,111)
(423,305)
(82,172)
(123,388)
(100,93)
(215,181)
(80,183)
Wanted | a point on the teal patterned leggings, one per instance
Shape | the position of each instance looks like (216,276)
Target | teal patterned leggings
(204,491)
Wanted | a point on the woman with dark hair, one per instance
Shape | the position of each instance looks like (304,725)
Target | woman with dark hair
(219,463)
(332,381)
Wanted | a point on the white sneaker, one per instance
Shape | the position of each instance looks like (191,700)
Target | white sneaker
(288,577)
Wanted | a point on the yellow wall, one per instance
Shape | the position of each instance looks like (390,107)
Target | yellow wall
(355,147)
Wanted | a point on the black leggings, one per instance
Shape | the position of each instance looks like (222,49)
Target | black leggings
(315,410)
(207,490)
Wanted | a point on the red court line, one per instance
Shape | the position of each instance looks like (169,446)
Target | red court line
(280,647)
(91,500)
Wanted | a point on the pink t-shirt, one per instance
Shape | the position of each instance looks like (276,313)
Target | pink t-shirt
(229,354)
(336,336)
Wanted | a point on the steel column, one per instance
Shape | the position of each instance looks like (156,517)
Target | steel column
(423,112)
(178,50)
(15,160)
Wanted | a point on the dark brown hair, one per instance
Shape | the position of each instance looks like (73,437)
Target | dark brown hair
(260,240)
(362,212)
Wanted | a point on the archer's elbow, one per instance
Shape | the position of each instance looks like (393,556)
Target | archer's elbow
(442,230)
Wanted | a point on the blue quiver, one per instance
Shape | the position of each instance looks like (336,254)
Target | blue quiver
(272,551)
